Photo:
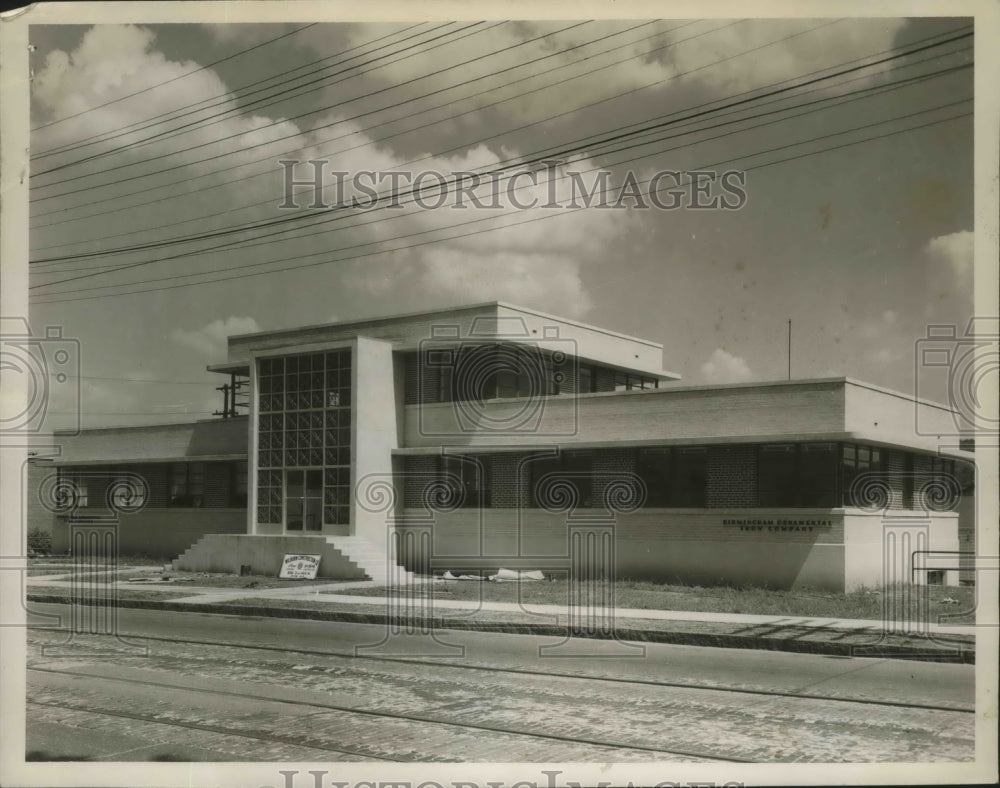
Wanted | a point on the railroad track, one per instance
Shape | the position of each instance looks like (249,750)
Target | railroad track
(763,692)
(609,747)
(412,708)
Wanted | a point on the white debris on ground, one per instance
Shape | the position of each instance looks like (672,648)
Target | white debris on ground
(502,576)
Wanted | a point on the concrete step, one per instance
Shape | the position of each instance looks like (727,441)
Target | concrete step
(371,559)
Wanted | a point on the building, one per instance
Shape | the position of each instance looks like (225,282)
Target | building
(492,435)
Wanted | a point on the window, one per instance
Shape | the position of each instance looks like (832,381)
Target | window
(653,467)
(471,475)
(187,484)
(908,480)
(945,472)
(446,390)
(570,469)
(588,379)
(689,476)
(129,493)
(238,484)
(629,382)
(77,498)
(510,384)
(675,477)
(304,423)
(854,461)
(804,474)
(817,481)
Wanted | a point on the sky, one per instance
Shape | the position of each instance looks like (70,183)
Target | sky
(857,223)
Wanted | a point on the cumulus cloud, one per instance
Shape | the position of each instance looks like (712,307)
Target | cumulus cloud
(777,50)
(724,367)
(950,269)
(211,340)
(660,54)
(955,253)
(502,253)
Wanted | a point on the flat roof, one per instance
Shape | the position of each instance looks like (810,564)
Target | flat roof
(440,310)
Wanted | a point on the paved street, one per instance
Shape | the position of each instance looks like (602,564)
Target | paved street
(245,689)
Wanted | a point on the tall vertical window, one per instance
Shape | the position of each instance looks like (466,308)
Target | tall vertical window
(587,379)
(689,476)
(949,473)
(187,484)
(776,466)
(304,422)
(653,467)
(854,461)
(471,476)
(817,483)
(238,484)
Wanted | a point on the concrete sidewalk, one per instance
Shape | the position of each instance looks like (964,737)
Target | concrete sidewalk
(332,594)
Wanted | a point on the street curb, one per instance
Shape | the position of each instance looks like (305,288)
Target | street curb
(962,652)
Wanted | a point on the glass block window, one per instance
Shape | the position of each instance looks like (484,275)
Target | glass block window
(304,422)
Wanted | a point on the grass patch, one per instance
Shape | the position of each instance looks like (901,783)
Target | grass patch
(67,573)
(860,604)
(226,580)
(121,593)
(123,561)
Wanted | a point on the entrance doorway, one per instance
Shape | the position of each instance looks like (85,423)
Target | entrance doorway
(304,500)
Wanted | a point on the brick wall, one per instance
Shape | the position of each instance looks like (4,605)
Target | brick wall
(505,491)
(610,466)
(417,471)
(732,476)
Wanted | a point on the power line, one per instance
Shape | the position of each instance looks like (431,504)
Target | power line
(395,120)
(243,245)
(893,85)
(130,128)
(174,79)
(578,145)
(266,158)
(540,218)
(249,107)
(518,128)
(304,114)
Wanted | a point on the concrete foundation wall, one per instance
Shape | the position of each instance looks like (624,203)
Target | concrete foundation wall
(689,546)
(879,550)
(264,554)
(160,533)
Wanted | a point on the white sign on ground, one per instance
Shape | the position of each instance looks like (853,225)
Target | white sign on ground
(299,567)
